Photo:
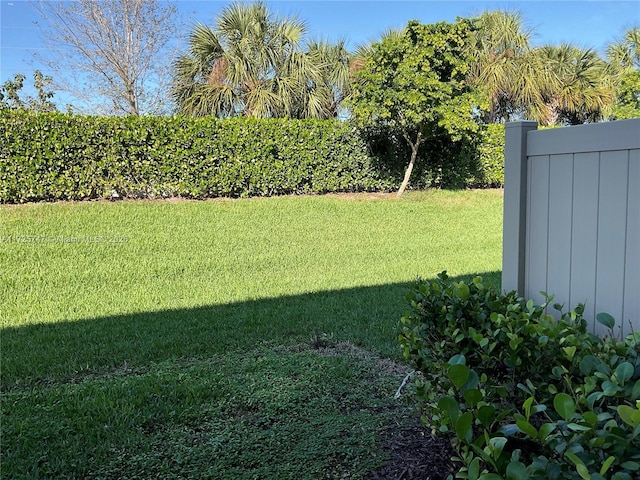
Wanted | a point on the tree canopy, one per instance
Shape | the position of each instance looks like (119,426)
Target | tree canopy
(11,94)
(624,57)
(254,64)
(416,84)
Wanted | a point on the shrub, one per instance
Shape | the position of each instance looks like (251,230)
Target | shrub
(473,162)
(60,156)
(521,394)
(55,156)
(490,154)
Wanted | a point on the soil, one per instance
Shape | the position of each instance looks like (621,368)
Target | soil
(415,455)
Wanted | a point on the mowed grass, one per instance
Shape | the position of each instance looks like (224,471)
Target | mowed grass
(179,339)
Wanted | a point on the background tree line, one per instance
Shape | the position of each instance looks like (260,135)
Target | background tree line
(424,95)
(254,63)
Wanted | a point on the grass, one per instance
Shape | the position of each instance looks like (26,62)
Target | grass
(179,339)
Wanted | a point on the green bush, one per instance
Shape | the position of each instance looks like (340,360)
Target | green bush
(476,162)
(523,395)
(55,156)
(490,154)
(59,156)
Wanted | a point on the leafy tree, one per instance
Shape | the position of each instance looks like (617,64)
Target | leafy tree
(117,50)
(253,64)
(415,84)
(10,93)
(624,57)
(11,89)
(628,96)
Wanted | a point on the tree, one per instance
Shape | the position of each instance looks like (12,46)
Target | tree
(415,83)
(504,67)
(581,87)
(10,94)
(624,57)
(253,65)
(625,52)
(116,50)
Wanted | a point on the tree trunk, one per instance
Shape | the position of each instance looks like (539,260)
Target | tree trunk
(412,162)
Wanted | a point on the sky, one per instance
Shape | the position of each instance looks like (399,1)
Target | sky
(586,23)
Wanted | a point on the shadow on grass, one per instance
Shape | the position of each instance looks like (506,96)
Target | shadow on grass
(365,316)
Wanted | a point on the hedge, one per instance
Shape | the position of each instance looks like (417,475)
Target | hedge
(55,156)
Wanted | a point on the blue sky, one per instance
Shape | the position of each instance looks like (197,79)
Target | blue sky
(591,24)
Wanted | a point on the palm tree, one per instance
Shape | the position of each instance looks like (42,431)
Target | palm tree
(323,98)
(624,59)
(625,52)
(504,67)
(582,89)
(253,64)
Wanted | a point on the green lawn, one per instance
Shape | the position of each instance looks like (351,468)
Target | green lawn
(181,339)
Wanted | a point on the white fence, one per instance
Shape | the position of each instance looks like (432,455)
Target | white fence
(572,217)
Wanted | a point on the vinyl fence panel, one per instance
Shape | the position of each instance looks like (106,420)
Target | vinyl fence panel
(572,217)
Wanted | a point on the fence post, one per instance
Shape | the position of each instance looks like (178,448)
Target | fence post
(515,205)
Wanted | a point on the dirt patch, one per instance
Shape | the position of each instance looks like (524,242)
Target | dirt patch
(414,455)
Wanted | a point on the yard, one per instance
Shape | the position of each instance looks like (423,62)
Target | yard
(223,339)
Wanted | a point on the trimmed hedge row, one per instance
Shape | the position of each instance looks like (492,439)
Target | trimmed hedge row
(57,156)
(60,156)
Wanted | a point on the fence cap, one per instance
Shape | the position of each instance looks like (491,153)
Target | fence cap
(521,123)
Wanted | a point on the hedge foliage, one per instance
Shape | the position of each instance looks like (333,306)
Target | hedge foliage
(55,156)
(523,395)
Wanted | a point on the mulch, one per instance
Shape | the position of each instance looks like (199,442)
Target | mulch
(415,455)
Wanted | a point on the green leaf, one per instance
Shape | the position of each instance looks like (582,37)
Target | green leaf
(472,396)
(458,374)
(449,406)
(588,364)
(527,428)
(545,430)
(517,471)
(486,414)
(629,415)
(583,471)
(580,466)
(471,383)
(606,320)
(569,352)
(496,445)
(463,426)
(624,372)
(564,405)
(490,476)
(593,398)
(591,418)
(527,407)
(474,469)
(635,393)
(458,359)
(630,465)
(607,463)
(576,427)
(509,430)
(461,290)
(610,389)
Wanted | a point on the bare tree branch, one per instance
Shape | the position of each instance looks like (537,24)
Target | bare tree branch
(116,51)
